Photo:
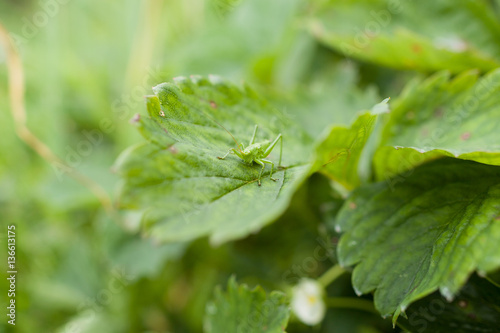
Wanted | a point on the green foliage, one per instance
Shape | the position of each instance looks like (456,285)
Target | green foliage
(455,118)
(178,172)
(426,36)
(414,192)
(184,190)
(332,95)
(474,309)
(240,309)
(339,153)
(429,232)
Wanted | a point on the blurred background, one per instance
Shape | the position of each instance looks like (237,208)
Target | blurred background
(88,65)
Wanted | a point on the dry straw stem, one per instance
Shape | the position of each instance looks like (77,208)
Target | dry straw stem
(18,110)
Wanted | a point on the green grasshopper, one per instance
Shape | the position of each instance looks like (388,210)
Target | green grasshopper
(256,152)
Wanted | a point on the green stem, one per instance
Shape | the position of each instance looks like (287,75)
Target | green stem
(330,275)
(351,303)
(493,282)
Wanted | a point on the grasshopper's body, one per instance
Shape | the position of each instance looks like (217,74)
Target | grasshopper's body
(257,152)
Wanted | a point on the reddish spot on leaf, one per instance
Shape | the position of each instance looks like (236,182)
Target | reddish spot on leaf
(497,218)
(173,150)
(213,104)
(462,303)
(135,119)
(416,48)
(352,205)
(465,136)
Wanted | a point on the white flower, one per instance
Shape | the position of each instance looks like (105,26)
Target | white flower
(307,302)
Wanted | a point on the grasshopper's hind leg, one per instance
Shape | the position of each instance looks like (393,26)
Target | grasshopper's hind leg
(259,162)
(272,145)
(272,167)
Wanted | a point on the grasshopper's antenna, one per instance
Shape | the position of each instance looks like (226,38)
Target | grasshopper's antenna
(225,129)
